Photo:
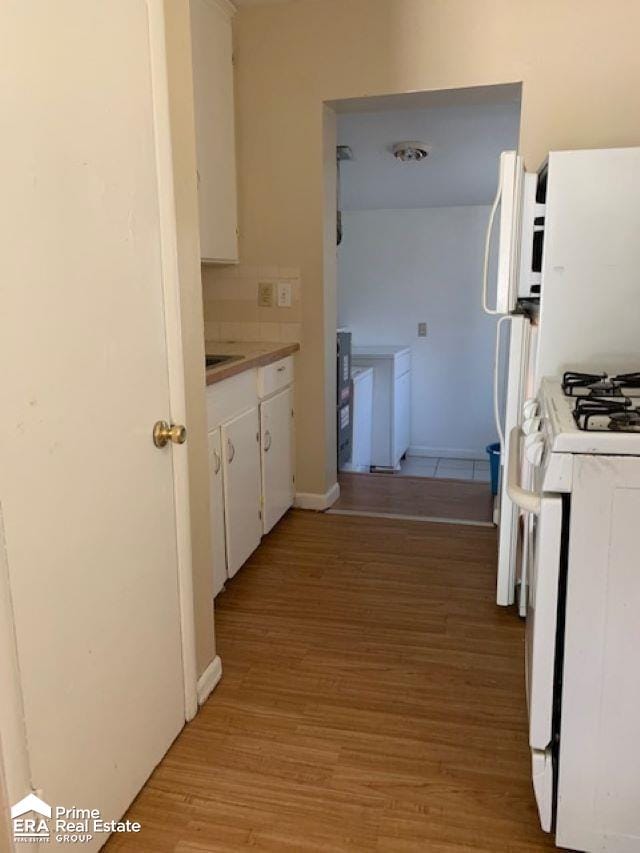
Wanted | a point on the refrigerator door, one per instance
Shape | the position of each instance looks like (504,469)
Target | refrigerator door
(501,295)
(510,394)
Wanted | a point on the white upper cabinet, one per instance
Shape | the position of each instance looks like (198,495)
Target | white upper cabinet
(215,131)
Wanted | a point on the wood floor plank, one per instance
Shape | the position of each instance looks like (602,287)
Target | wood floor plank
(372,700)
(418,496)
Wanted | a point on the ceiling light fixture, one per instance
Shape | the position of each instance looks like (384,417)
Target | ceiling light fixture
(411,152)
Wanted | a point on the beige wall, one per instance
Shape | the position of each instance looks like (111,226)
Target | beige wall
(579,64)
(184,162)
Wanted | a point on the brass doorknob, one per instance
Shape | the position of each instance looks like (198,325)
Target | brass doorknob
(163,433)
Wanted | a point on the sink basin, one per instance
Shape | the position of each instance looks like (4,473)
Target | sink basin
(216,360)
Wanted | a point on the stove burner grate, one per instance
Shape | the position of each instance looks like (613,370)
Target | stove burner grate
(600,385)
(628,421)
(588,409)
(572,381)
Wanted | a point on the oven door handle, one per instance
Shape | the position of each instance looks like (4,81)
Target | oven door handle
(525,499)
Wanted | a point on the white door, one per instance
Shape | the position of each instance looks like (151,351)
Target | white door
(500,287)
(508,409)
(216,512)
(241,465)
(277,460)
(86,499)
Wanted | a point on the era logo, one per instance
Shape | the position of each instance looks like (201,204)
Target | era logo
(29,818)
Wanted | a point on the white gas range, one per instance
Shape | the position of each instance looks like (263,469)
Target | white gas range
(581,437)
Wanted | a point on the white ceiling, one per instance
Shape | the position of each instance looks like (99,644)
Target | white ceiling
(466,134)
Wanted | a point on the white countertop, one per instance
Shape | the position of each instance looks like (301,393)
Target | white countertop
(380,351)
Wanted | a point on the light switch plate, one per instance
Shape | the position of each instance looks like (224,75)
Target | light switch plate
(265,294)
(283,297)
(422,330)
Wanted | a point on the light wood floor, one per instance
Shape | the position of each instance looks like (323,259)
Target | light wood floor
(421,496)
(372,700)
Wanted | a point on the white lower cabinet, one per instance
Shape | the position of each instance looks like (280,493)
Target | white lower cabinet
(391,426)
(251,462)
(216,510)
(276,428)
(241,466)
(401,415)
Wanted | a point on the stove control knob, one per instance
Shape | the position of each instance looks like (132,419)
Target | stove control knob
(531,425)
(530,408)
(534,448)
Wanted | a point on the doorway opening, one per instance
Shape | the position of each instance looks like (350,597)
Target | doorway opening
(416,179)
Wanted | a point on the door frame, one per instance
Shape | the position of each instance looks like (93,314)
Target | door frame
(15,769)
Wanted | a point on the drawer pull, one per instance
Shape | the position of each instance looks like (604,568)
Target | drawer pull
(267,440)
(231,451)
(216,462)
(281,369)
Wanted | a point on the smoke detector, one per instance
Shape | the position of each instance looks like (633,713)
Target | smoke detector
(408,152)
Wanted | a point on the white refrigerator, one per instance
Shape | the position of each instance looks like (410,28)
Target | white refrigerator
(566,285)
(511,292)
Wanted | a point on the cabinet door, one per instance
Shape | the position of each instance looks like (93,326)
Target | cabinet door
(215,133)
(401,416)
(277,457)
(216,510)
(241,467)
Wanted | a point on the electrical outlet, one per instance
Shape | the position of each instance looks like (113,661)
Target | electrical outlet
(283,294)
(265,294)
(422,330)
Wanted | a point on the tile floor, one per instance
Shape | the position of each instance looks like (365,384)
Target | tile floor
(446,469)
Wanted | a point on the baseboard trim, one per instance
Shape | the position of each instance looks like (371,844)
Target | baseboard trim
(311,500)
(447,452)
(431,519)
(209,680)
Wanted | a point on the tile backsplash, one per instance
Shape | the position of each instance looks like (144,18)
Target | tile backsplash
(231,310)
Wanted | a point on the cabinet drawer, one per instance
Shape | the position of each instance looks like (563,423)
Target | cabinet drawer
(275,376)
(230,397)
